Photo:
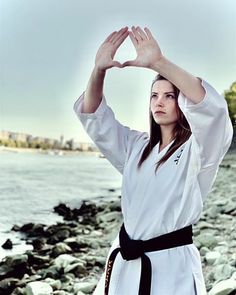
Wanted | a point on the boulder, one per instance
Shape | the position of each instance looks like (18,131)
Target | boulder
(38,288)
(225,287)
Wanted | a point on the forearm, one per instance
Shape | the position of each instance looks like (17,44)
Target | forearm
(188,84)
(94,91)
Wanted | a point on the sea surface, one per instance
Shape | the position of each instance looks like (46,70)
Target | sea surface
(31,184)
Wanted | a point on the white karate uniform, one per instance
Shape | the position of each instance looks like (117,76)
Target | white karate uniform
(155,204)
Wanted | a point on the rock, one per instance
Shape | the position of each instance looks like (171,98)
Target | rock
(223,259)
(8,285)
(85,287)
(212,256)
(203,251)
(227,166)
(60,248)
(74,245)
(7,245)
(38,288)
(27,279)
(85,214)
(203,225)
(55,284)
(60,292)
(207,240)
(76,268)
(18,291)
(225,287)
(222,249)
(59,236)
(16,228)
(222,272)
(213,211)
(14,266)
(229,207)
(233,277)
(33,230)
(63,260)
(108,217)
(62,209)
(38,243)
(16,260)
(38,261)
(51,272)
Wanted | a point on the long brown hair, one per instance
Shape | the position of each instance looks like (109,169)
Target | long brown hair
(181,131)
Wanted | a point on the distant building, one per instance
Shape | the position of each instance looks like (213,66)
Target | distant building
(87,146)
(19,136)
(4,135)
(61,141)
(54,143)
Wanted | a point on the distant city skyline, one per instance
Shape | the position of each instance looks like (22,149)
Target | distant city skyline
(26,140)
(4,134)
(48,49)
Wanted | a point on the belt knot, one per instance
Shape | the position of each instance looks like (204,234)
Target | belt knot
(130,249)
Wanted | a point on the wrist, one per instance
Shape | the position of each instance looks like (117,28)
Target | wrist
(99,71)
(159,64)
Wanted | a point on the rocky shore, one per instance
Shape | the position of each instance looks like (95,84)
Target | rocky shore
(69,257)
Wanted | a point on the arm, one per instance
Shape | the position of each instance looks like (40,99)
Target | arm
(150,56)
(188,84)
(103,61)
(112,138)
(205,110)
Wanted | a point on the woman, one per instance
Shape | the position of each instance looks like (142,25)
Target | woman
(166,175)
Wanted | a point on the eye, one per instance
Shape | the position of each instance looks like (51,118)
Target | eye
(170,96)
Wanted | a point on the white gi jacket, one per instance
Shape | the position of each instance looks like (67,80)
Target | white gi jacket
(156,204)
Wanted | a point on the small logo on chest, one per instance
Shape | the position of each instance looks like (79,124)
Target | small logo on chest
(178,156)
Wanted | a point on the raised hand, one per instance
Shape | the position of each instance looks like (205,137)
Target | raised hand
(106,52)
(147,48)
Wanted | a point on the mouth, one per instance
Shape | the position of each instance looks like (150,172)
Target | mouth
(159,113)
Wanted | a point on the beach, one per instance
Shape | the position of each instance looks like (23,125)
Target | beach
(68,257)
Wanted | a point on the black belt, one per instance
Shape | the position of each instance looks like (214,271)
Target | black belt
(133,249)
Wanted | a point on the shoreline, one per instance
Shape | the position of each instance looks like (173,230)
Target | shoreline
(49,151)
(231,151)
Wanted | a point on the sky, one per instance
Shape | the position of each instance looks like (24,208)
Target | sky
(48,50)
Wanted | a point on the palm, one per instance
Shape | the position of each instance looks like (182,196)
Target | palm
(147,49)
(105,56)
(106,52)
(146,56)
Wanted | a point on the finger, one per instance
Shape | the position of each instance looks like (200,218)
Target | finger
(133,39)
(117,64)
(119,34)
(128,63)
(110,36)
(141,33)
(121,39)
(136,34)
(149,34)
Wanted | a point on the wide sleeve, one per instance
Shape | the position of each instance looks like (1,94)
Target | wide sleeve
(113,139)
(210,124)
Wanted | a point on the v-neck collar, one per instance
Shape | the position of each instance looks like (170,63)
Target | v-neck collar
(165,148)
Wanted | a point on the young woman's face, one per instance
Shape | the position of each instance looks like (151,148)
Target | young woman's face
(163,104)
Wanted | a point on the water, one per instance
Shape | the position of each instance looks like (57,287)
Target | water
(31,184)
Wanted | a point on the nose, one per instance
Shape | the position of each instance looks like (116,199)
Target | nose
(159,100)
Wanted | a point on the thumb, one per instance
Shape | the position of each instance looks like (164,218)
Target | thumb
(117,64)
(129,63)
